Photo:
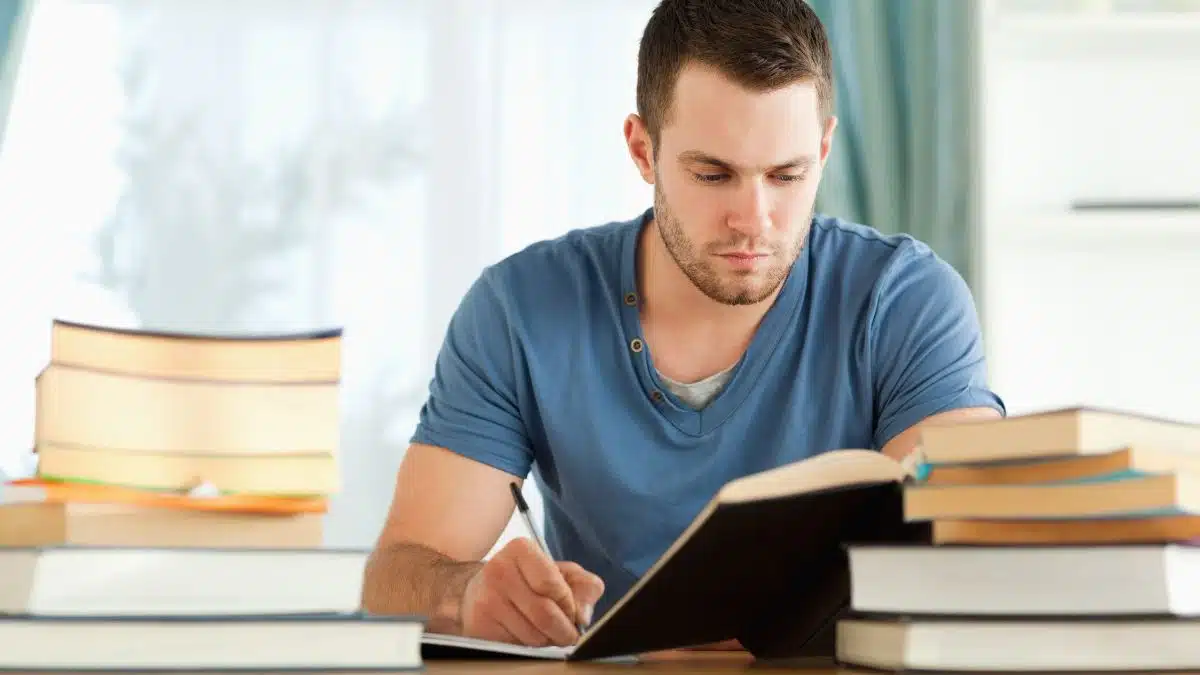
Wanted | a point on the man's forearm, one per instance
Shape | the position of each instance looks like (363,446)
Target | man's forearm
(414,579)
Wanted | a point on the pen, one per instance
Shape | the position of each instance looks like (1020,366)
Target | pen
(523,507)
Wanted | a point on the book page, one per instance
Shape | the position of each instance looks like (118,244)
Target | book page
(830,469)
(489,646)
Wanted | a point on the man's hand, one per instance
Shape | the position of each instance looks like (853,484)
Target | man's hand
(521,596)
(905,442)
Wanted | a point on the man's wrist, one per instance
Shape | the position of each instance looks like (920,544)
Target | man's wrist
(454,581)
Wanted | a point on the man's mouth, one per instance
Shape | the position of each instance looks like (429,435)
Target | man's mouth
(744,260)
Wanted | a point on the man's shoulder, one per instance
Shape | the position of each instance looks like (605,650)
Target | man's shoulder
(863,256)
(583,260)
(576,249)
(834,237)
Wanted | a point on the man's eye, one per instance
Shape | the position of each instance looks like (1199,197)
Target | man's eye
(789,177)
(709,177)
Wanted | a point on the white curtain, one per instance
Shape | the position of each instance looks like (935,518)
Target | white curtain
(273,165)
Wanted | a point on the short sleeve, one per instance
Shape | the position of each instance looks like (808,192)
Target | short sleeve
(472,408)
(927,350)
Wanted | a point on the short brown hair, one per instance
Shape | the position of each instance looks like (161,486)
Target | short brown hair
(760,44)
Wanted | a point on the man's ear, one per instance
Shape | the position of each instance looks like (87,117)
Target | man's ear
(827,138)
(641,149)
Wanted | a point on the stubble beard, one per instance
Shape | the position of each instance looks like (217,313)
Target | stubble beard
(700,271)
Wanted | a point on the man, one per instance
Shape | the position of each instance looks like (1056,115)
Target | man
(637,366)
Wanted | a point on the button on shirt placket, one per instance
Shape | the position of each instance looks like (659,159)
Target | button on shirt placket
(636,346)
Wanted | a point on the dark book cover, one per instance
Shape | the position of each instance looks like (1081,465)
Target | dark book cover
(772,573)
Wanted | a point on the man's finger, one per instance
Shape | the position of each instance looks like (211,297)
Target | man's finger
(499,604)
(494,629)
(512,618)
(544,578)
(545,615)
(585,586)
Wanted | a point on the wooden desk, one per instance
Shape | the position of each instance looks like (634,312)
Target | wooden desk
(693,663)
(667,663)
(690,664)
(559,668)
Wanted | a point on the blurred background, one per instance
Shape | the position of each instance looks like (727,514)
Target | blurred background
(277,165)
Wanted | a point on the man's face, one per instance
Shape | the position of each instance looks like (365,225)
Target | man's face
(735,179)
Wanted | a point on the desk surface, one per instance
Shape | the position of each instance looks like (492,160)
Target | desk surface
(559,668)
(694,663)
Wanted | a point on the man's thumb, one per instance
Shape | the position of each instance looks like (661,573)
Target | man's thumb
(585,586)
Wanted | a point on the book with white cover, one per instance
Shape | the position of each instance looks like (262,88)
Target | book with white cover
(1014,645)
(81,580)
(1143,579)
(210,643)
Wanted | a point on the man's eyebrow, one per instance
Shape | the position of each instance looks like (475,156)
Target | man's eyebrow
(701,157)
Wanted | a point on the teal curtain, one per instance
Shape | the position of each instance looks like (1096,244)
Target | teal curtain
(904,157)
(14,22)
(14,19)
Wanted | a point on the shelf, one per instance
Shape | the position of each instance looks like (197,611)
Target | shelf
(1083,230)
(1102,23)
(1101,35)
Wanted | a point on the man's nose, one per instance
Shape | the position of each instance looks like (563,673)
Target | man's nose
(751,212)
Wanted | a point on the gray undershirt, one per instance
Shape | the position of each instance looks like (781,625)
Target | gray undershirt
(700,393)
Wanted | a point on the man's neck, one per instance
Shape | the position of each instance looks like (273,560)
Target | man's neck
(690,335)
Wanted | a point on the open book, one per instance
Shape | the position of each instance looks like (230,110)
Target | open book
(441,645)
(435,645)
(765,562)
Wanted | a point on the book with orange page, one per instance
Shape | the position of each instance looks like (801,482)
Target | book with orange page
(154,438)
(44,491)
(38,513)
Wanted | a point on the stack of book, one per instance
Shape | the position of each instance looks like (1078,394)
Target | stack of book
(1057,541)
(156,439)
(174,522)
(122,609)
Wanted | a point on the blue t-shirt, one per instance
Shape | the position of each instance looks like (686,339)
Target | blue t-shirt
(540,371)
